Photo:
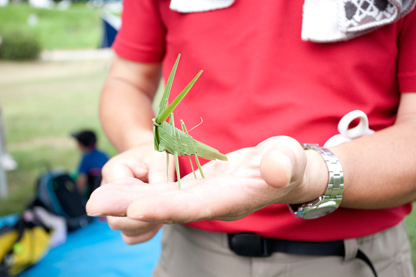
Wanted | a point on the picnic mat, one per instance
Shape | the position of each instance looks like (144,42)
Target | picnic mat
(96,250)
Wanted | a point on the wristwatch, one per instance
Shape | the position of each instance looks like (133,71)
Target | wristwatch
(330,201)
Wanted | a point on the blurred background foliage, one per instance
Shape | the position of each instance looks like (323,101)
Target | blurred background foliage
(70,26)
(41,107)
(43,101)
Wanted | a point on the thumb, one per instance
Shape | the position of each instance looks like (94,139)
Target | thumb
(283,163)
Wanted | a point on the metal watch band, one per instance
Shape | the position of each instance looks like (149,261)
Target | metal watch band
(336,175)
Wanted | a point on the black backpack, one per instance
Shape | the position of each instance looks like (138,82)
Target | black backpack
(57,192)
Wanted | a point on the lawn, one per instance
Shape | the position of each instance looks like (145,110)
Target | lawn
(77,27)
(42,103)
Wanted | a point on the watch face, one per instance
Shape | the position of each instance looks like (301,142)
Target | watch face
(315,210)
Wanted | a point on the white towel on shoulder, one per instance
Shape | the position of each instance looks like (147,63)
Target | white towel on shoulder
(325,20)
(187,6)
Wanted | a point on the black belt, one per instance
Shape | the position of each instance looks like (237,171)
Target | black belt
(252,245)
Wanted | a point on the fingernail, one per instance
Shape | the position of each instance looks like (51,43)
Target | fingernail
(97,214)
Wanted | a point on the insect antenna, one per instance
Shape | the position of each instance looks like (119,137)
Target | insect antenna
(197,125)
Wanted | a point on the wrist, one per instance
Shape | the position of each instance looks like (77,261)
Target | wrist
(314,182)
(316,175)
(330,200)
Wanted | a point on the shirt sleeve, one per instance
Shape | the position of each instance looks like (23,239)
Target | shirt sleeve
(141,37)
(407,54)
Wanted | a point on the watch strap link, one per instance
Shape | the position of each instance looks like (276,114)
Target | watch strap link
(336,175)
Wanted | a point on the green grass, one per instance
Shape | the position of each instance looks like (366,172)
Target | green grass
(411,229)
(75,28)
(41,107)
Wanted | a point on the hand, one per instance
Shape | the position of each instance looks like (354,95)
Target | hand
(275,171)
(145,164)
(141,162)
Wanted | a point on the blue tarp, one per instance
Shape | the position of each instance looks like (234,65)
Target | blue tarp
(96,250)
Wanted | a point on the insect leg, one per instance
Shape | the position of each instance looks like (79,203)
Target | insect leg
(199,166)
(167,167)
(190,160)
(196,155)
(192,166)
(178,175)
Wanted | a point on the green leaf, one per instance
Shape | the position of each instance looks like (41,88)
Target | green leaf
(164,101)
(165,114)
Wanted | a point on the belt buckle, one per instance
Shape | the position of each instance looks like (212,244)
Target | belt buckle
(249,245)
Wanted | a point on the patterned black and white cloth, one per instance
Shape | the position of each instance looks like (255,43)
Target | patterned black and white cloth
(325,20)
(337,20)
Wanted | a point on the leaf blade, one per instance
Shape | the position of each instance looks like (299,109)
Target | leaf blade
(164,100)
(165,113)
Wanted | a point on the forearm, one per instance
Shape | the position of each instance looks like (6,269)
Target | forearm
(125,115)
(379,170)
(126,103)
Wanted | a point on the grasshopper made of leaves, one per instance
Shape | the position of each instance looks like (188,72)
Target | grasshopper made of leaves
(177,142)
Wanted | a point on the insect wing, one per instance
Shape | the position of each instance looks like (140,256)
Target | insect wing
(173,140)
(208,152)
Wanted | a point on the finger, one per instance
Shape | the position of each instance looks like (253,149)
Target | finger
(166,208)
(133,231)
(159,170)
(197,200)
(141,172)
(130,227)
(142,237)
(114,170)
(113,199)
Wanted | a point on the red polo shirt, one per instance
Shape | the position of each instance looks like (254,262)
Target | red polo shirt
(261,80)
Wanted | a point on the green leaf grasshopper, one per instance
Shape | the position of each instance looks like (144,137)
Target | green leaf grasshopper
(169,139)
